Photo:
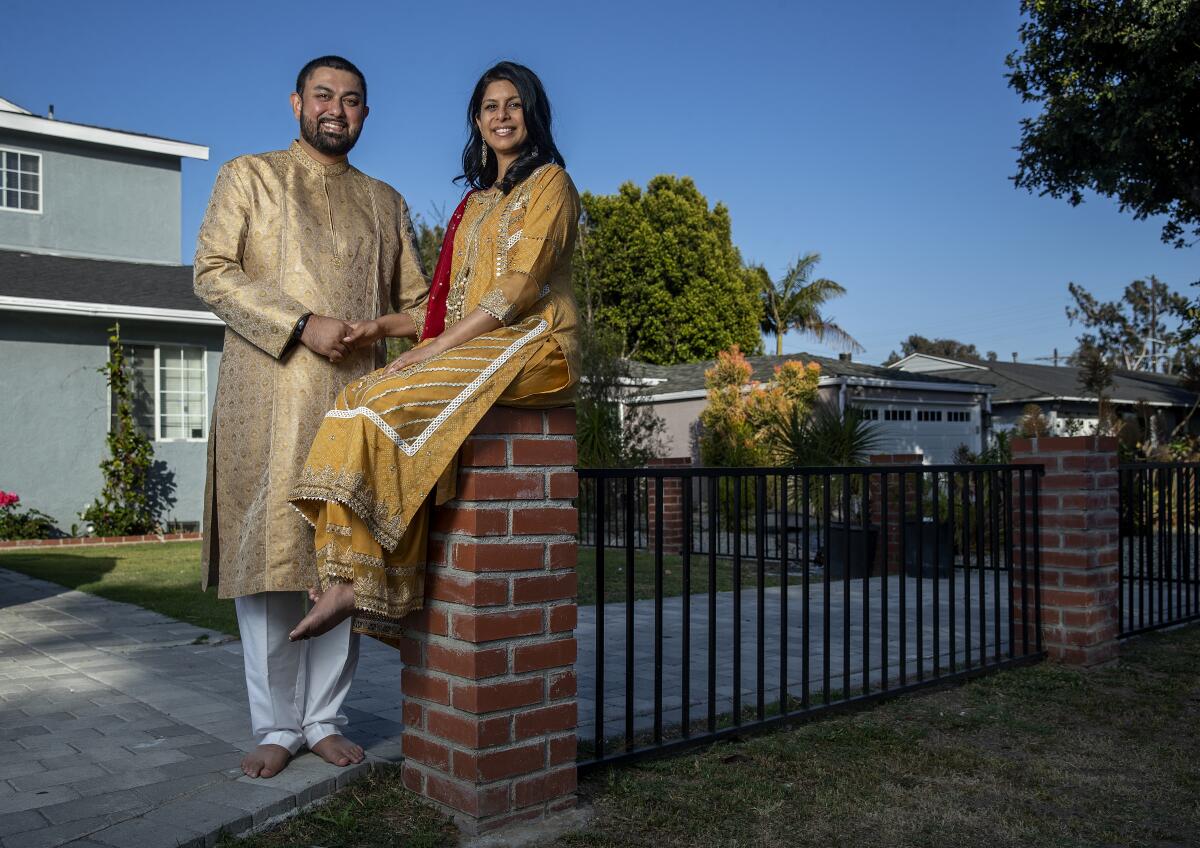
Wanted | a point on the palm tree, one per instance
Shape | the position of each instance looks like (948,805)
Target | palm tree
(794,303)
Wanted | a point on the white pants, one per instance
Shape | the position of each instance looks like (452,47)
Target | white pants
(296,689)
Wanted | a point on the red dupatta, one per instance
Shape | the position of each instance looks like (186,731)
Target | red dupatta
(435,308)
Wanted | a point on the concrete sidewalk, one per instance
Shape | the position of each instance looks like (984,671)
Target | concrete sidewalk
(123,727)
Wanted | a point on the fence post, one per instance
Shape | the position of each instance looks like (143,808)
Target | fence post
(1079,536)
(489,680)
(672,529)
(891,542)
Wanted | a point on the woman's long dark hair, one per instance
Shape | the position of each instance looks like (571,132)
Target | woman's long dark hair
(539,146)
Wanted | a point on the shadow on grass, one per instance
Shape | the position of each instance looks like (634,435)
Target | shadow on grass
(160,577)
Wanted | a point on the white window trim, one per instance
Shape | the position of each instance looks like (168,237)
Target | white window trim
(158,438)
(41,182)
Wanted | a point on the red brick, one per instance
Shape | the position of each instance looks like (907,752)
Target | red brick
(425,751)
(410,651)
(470,663)
(564,484)
(479,453)
(496,765)
(544,655)
(505,420)
(564,555)
(414,778)
(1064,598)
(562,685)
(563,749)
(470,556)
(432,620)
(545,787)
(539,722)
(486,627)
(427,687)
(563,618)
(490,697)
(414,715)
(471,591)
(548,587)
(468,731)
(544,452)
(561,421)
(435,553)
(1067,481)
(501,486)
(544,520)
(1087,618)
(465,798)
(476,522)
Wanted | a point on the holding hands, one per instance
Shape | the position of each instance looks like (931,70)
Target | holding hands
(325,336)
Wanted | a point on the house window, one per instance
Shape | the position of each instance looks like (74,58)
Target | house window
(868,413)
(170,391)
(20,181)
(958,416)
(929,415)
(897,415)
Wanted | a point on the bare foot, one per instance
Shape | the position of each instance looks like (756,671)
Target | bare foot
(333,607)
(265,761)
(338,751)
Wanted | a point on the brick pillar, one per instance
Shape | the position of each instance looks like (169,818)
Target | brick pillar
(489,680)
(1078,522)
(891,533)
(672,529)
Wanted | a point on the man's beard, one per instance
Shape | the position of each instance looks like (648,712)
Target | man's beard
(331,145)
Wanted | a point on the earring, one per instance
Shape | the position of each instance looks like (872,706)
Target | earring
(483,158)
(534,152)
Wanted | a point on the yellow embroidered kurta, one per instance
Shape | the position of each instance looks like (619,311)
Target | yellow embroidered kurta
(285,235)
(382,448)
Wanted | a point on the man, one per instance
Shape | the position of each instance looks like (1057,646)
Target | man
(296,246)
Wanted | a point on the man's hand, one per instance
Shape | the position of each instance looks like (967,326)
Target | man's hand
(324,336)
(363,334)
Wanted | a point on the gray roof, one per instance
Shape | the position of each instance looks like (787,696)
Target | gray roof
(97,281)
(1019,382)
(690,376)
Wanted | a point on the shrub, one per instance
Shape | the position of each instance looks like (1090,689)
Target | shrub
(30,524)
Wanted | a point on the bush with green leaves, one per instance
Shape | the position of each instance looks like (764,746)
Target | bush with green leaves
(609,436)
(30,524)
(124,507)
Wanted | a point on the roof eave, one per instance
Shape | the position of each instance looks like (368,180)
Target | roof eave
(37,125)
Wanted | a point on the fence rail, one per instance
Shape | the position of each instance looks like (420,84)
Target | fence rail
(1159,544)
(837,585)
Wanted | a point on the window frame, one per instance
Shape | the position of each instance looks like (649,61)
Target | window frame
(41,192)
(158,438)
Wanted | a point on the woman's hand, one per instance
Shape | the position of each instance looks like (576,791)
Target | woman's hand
(412,357)
(364,334)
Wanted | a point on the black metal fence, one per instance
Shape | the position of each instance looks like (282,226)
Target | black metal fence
(1159,542)
(836,586)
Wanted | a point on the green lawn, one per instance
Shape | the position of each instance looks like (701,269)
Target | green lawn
(164,577)
(1041,756)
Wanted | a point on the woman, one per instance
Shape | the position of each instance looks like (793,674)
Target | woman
(500,328)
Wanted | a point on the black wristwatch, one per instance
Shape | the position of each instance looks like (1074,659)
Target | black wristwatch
(298,330)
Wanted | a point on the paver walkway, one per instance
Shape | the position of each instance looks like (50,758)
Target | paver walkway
(122,727)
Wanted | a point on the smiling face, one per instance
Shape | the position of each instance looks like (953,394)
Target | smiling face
(331,111)
(501,119)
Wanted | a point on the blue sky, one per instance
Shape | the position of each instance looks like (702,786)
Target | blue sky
(880,134)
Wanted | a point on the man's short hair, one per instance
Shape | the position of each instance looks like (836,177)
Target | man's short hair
(335,62)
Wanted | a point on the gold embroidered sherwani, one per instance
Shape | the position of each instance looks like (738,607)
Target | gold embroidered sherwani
(283,236)
(380,451)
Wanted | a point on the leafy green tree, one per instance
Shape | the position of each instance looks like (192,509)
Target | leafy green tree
(947,348)
(794,302)
(1118,82)
(660,267)
(1146,330)
(610,436)
(124,507)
